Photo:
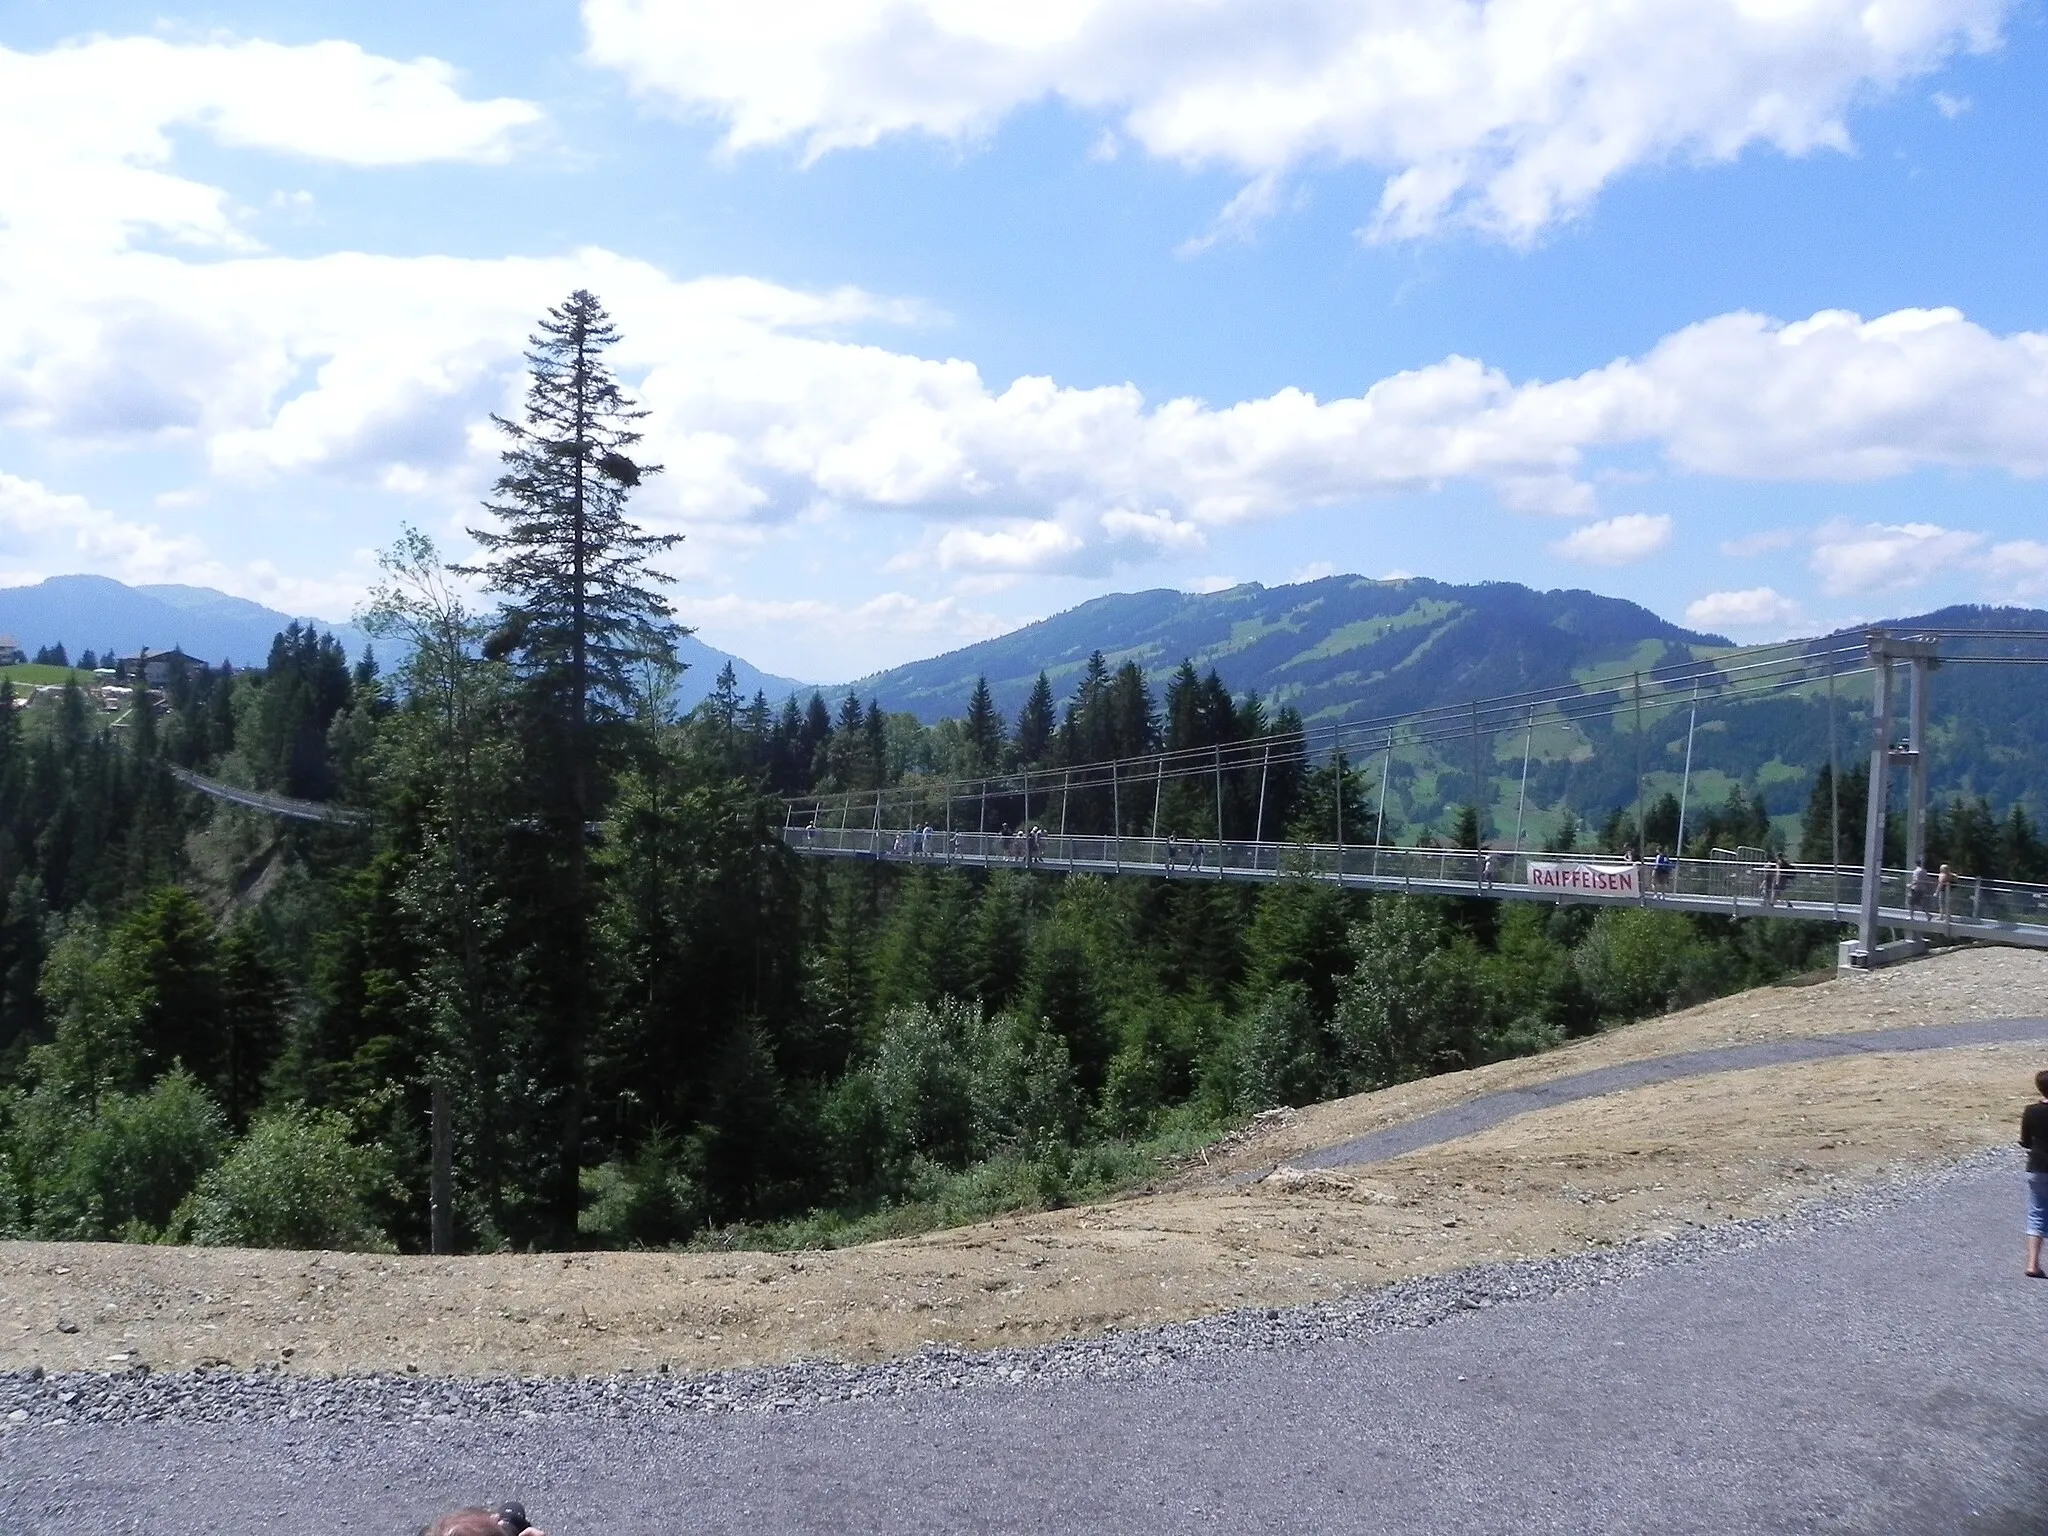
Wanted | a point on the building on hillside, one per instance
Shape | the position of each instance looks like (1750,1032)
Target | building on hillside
(11,655)
(155,667)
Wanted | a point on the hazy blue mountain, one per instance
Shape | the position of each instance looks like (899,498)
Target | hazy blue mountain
(1339,648)
(704,662)
(96,612)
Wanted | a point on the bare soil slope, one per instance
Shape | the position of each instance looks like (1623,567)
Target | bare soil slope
(1627,1166)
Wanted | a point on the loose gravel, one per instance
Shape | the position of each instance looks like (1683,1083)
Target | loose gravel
(35,1398)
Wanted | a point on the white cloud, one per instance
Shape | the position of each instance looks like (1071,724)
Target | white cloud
(31,512)
(1835,397)
(1887,557)
(1950,107)
(2018,570)
(1506,114)
(1770,541)
(88,124)
(1617,540)
(1239,220)
(1315,570)
(1751,609)
(77,536)
(383,370)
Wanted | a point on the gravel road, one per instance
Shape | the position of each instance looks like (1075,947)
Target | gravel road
(1867,1366)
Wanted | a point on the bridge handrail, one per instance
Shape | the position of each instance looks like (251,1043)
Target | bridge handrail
(259,800)
(1747,888)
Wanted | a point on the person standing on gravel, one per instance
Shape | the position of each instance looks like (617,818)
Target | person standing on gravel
(2034,1137)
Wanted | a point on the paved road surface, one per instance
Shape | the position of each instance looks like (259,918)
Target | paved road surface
(1888,1376)
(1491,1109)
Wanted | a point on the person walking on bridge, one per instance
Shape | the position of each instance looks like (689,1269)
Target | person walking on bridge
(1919,890)
(2034,1137)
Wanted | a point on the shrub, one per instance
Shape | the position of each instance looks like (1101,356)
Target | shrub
(115,1168)
(924,1077)
(1279,1051)
(1637,963)
(295,1181)
(652,1198)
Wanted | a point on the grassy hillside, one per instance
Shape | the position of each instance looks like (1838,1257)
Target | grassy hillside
(1349,649)
(1341,648)
(29,675)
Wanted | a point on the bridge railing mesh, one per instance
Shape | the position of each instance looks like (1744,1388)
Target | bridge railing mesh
(1745,886)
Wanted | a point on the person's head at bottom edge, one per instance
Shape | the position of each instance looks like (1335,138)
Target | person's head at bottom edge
(505,1520)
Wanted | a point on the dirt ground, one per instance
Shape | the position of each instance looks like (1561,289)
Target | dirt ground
(1627,1166)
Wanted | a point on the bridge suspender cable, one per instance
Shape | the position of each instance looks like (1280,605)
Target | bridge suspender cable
(1522,801)
(1685,782)
(1379,831)
(1833,791)
(1642,837)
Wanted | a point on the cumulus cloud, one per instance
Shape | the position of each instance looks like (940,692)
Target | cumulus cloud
(1505,114)
(2018,569)
(73,535)
(384,369)
(1853,558)
(1616,540)
(88,127)
(1748,611)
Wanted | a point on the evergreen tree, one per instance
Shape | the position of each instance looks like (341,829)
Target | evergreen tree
(1000,942)
(580,610)
(1133,726)
(1035,723)
(581,615)
(984,730)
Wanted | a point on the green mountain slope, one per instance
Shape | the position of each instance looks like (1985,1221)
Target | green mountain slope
(1340,648)
(1350,649)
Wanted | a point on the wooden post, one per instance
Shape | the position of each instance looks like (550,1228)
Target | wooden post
(442,1189)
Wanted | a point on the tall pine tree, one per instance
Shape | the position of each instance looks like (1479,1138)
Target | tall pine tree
(581,615)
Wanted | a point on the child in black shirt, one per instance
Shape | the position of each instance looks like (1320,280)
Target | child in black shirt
(2034,1137)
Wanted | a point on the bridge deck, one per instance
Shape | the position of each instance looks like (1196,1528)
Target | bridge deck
(1998,912)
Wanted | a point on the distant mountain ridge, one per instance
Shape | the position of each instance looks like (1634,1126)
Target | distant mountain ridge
(1346,648)
(1337,648)
(93,612)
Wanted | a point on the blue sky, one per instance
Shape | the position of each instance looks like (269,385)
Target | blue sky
(951,315)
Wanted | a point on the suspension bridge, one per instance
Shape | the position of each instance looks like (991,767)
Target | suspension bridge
(1106,817)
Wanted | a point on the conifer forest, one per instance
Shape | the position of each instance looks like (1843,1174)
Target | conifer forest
(562,906)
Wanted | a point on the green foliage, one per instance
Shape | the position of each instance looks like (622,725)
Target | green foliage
(114,1166)
(569,908)
(651,1198)
(947,1086)
(295,1181)
(1280,1051)
(1394,1011)
(1636,963)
